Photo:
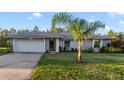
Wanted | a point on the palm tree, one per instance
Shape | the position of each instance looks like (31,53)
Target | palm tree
(80,28)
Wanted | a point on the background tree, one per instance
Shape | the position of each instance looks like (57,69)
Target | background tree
(80,28)
(35,29)
(0,37)
(5,38)
(121,35)
(47,30)
(22,31)
(12,31)
(57,30)
(112,34)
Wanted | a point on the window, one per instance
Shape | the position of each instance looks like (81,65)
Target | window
(97,44)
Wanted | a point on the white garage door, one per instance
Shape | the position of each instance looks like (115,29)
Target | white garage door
(36,45)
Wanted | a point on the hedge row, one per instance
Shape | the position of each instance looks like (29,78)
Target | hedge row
(4,50)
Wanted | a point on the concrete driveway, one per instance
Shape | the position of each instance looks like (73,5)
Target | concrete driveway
(18,66)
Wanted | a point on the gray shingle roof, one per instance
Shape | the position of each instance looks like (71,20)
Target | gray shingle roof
(100,37)
(62,35)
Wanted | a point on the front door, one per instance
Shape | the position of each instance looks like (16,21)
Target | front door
(52,45)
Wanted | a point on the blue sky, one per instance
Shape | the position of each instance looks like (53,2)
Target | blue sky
(23,20)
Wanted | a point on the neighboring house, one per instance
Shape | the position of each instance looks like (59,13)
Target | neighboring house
(54,41)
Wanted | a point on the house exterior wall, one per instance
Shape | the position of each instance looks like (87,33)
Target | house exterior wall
(47,44)
(26,45)
(73,44)
(57,45)
(61,42)
(42,45)
(105,42)
(102,43)
(93,43)
(87,44)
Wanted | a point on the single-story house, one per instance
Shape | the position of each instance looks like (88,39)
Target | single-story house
(54,41)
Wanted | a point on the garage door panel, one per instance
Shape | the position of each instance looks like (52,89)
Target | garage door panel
(29,46)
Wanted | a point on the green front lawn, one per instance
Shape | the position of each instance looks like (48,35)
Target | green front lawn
(98,66)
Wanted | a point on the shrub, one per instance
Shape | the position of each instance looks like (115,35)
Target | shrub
(111,49)
(60,49)
(47,51)
(64,49)
(89,50)
(4,50)
(75,50)
(102,50)
(72,49)
(117,42)
(116,46)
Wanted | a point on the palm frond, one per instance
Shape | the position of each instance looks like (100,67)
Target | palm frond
(96,25)
(80,28)
(61,19)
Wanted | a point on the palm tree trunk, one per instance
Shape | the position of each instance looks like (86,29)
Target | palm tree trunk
(79,51)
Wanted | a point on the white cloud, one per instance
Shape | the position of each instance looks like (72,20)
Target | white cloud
(107,28)
(34,16)
(121,22)
(43,29)
(113,14)
(29,18)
